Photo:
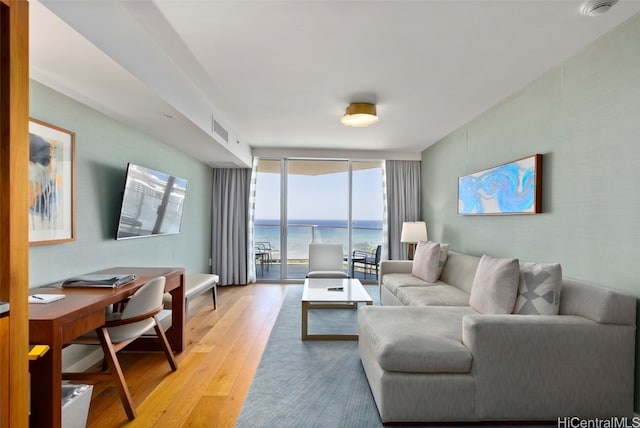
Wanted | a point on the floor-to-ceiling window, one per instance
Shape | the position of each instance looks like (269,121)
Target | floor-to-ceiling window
(299,201)
(317,209)
(367,214)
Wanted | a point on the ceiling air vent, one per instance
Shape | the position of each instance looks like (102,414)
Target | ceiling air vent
(596,7)
(220,131)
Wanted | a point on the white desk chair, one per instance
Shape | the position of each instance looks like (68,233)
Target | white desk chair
(122,328)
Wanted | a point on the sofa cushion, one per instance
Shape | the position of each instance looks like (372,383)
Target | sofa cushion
(426,339)
(459,270)
(495,285)
(394,281)
(539,289)
(433,295)
(426,261)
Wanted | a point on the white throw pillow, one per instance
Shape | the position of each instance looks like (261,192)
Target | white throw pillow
(495,285)
(425,261)
(539,289)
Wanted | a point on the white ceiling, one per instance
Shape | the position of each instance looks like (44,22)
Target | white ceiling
(279,74)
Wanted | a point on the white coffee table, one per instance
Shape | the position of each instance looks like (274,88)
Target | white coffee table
(318,293)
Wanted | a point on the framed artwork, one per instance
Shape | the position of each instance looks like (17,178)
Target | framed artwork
(51,183)
(512,188)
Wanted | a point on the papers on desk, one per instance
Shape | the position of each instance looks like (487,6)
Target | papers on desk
(45,298)
(99,280)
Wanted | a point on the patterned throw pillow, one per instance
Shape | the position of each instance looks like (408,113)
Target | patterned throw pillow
(425,261)
(444,253)
(539,290)
(495,285)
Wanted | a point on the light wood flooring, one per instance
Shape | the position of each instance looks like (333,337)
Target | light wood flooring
(223,349)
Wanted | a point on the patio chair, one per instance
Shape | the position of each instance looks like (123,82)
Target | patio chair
(325,261)
(262,252)
(369,260)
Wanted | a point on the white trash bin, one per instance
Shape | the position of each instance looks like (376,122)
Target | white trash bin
(75,405)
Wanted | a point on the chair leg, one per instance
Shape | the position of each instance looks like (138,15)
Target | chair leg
(165,345)
(116,371)
(215,296)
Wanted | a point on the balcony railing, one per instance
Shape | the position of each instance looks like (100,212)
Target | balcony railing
(300,235)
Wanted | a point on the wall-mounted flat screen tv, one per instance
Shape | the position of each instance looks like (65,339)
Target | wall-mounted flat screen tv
(152,203)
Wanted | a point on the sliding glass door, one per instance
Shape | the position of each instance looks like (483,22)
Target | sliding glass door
(300,201)
(367,224)
(317,209)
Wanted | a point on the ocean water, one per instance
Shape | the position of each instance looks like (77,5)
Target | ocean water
(367,235)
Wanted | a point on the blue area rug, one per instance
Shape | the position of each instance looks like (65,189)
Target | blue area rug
(313,383)
(310,383)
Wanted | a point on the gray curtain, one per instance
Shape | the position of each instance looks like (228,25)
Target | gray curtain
(230,217)
(403,202)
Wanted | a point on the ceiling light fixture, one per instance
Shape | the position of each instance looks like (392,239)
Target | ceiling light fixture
(596,7)
(359,115)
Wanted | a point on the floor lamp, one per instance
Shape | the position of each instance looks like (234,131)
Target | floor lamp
(412,233)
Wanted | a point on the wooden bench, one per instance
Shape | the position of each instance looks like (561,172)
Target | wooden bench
(196,284)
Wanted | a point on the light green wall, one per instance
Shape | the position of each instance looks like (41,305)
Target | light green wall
(103,148)
(584,116)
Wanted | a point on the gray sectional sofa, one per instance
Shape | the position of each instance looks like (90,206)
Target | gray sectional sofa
(430,357)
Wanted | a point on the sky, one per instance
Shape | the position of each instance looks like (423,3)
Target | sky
(321,197)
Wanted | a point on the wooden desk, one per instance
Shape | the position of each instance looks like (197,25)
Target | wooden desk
(82,310)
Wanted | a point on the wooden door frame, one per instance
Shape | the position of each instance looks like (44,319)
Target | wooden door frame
(14,235)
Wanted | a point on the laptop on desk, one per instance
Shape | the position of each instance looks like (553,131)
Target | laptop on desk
(99,280)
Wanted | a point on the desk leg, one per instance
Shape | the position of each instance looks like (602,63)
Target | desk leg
(175,334)
(46,388)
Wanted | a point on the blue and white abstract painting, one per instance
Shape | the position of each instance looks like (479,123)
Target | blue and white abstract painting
(512,188)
